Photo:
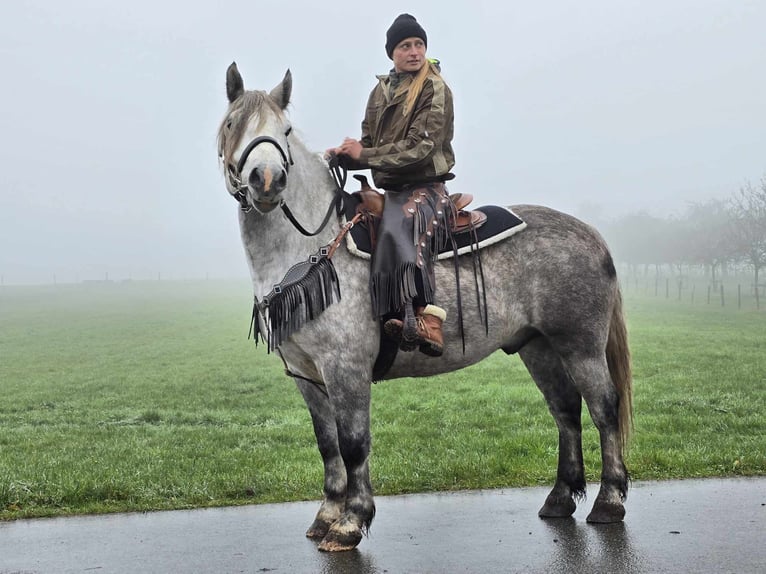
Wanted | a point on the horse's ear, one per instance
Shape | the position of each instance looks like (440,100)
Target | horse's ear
(281,94)
(234,85)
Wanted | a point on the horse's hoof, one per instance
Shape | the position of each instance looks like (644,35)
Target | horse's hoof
(557,507)
(341,536)
(606,513)
(318,529)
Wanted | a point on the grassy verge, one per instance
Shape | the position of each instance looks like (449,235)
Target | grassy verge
(144,396)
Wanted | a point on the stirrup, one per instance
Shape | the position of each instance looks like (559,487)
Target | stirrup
(404,330)
(410,328)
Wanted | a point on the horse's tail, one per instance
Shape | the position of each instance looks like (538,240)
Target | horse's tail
(618,359)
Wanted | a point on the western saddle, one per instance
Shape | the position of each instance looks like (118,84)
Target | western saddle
(372,203)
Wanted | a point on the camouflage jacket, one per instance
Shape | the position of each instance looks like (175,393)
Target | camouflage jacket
(407,149)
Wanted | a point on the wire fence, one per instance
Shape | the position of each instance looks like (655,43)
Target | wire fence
(734,292)
(110,278)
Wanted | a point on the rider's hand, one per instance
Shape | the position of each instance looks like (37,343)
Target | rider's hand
(351,148)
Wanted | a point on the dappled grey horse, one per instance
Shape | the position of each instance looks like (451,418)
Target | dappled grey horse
(551,292)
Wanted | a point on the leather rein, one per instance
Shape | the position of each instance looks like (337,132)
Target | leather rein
(235,180)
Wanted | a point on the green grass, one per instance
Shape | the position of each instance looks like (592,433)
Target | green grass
(141,396)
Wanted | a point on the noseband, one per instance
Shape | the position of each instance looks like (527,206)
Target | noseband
(235,175)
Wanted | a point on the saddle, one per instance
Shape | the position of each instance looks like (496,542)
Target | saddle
(371,205)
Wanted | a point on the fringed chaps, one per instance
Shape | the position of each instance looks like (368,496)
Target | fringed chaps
(413,228)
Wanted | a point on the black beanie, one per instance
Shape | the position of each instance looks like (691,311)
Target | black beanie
(405,26)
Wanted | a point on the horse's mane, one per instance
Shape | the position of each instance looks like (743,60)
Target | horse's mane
(233,125)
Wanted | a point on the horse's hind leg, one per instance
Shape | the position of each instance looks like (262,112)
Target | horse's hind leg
(590,374)
(565,404)
(326,433)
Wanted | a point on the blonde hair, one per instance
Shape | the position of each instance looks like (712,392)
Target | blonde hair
(415,87)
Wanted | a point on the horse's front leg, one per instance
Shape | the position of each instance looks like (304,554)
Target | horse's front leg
(350,396)
(323,419)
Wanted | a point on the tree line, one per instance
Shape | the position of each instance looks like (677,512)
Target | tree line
(709,237)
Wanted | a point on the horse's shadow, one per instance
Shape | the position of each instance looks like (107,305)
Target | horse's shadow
(583,547)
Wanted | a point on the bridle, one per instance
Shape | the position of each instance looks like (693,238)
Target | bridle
(234,176)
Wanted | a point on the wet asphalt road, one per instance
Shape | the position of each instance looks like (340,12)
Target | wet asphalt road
(688,526)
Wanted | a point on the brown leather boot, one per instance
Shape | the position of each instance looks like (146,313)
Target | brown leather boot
(429,337)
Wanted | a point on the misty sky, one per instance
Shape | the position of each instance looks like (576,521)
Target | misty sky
(109,111)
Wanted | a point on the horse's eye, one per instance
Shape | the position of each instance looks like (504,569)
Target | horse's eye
(288,131)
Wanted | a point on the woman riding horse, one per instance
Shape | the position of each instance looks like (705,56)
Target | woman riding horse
(406,143)
(555,300)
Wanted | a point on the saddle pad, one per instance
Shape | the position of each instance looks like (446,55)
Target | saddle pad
(501,223)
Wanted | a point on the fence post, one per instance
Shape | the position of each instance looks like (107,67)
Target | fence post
(708,294)
(739,296)
(693,288)
(723,302)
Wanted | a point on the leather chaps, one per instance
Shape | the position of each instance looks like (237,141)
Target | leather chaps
(416,222)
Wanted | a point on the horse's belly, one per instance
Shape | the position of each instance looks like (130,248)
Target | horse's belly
(416,364)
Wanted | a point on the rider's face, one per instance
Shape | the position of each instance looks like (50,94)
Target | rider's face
(409,55)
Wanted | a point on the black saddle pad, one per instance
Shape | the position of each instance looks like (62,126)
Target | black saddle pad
(501,223)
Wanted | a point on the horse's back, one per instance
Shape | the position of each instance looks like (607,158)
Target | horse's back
(550,225)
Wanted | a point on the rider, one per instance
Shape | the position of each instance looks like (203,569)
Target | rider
(406,143)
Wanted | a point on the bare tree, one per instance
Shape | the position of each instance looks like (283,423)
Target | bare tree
(708,227)
(638,239)
(749,210)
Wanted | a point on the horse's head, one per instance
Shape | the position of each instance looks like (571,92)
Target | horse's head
(253,142)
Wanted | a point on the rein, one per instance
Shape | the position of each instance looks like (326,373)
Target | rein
(339,175)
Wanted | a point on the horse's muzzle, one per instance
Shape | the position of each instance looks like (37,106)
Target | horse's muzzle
(266,183)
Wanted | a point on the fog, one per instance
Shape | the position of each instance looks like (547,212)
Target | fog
(109,111)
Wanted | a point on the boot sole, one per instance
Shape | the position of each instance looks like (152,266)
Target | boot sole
(432,349)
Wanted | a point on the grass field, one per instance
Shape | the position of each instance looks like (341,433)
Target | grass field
(147,395)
